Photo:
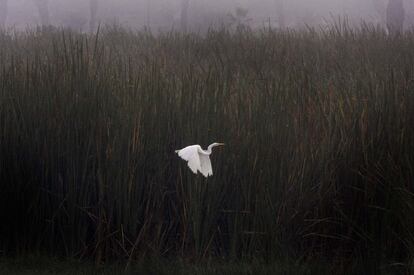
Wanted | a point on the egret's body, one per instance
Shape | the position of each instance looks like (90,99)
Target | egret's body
(198,159)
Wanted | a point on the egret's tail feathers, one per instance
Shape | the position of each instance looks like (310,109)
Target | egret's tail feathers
(177,151)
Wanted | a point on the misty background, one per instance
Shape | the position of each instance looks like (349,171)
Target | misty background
(197,15)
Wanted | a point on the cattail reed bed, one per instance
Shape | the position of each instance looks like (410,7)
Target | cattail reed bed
(318,126)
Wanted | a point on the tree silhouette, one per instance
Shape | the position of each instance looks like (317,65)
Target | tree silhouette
(395,16)
(184,14)
(94,11)
(3,12)
(43,9)
(280,13)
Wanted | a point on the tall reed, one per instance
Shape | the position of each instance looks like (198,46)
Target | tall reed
(318,127)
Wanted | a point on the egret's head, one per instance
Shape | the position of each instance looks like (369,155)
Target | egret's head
(210,147)
(217,144)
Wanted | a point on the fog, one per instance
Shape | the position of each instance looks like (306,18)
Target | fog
(196,15)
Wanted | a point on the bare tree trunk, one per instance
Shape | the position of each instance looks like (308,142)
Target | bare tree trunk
(148,13)
(43,8)
(280,13)
(94,5)
(380,7)
(395,16)
(184,15)
(3,13)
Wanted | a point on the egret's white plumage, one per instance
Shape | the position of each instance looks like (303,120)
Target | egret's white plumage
(198,159)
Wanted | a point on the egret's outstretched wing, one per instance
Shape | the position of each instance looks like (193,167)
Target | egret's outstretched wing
(190,154)
(205,164)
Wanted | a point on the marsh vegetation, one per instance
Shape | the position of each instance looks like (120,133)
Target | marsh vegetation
(318,126)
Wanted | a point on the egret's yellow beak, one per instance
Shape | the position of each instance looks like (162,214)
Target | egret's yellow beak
(221,144)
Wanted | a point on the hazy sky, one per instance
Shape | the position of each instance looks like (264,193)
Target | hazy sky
(165,13)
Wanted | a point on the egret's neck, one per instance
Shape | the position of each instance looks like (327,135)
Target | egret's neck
(209,148)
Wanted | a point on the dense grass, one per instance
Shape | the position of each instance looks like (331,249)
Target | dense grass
(319,159)
(35,264)
(48,266)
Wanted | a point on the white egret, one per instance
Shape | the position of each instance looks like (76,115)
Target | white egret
(198,159)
